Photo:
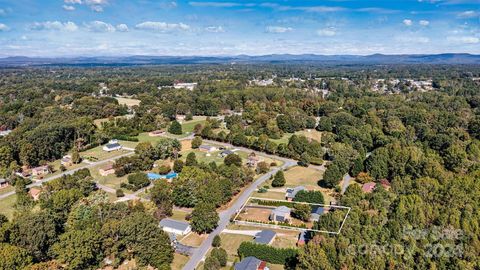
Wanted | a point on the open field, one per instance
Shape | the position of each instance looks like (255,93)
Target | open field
(7,189)
(231,242)
(128,101)
(111,180)
(303,176)
(187,126)
(193,239)
(179,261)
(97,153)
(179,214)
(6,206)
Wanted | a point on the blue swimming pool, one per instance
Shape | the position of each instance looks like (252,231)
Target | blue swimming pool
(155,176)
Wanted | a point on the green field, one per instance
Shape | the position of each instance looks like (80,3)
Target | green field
(6,206)
(97,153)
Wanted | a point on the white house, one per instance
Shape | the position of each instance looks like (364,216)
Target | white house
(174,226)
(112,145)
(188,86)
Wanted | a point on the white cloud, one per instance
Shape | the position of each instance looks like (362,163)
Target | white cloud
(54,26)
(4,27)
(72,1)
(278,29)
(68,8)
(97,8)
(407,22)
(96,2)
(464,39)
(214,4)
(162,26)
(122,27)
(99,26)
(326,32)
(215,29)
(424,22)
(468,14)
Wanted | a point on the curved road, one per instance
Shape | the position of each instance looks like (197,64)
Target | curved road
(201,251)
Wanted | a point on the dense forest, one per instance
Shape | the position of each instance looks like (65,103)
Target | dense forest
(425,143)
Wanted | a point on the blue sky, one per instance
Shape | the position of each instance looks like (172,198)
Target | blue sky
(169,27)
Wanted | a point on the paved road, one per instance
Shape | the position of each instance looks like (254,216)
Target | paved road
(346,182)
(201,251)
(47,179)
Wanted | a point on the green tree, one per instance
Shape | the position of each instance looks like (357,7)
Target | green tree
(301,211)
(211,263)
(79,249)
(13,257)
(204,218)
(76,156)
(221,255)
(178,165)
(175,128)
(312,257)
(333,174)
(233,159)
(217,241)
(161,195)
(278,179)
(196,142)
(36,232)
(191,159)
(138,180)
(309,196)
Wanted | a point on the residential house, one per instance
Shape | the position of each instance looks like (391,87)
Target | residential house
(40,171)
(66,161)
(317,211)
(280,214)
(175,226)
(251,263)
(252,159)
(368,187)
(207,148)
(303,238)
(292,192)
(35,193)
(385,184)
(188,86)
(225,153)
(112,145)
(107,170)
(4,183)
(265,237)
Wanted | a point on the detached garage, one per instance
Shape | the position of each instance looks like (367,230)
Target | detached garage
(175,226)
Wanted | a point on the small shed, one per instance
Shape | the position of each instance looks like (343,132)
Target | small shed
(175,226)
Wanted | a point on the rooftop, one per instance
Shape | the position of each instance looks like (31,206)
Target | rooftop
(249,263)
(265,237)
(174,224)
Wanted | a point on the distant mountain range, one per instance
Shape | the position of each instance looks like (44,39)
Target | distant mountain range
(446,58)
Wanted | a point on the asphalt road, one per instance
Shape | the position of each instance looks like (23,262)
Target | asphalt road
(90,165)
(201,251)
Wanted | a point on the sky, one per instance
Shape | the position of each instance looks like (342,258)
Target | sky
(52,28)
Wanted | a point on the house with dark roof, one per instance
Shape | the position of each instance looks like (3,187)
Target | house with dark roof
(4,183)
(280,214)
(174,226)
(251,263)
(225,153)
(112,145)
(303,238)
(265,237)
(292,192)
(317,211)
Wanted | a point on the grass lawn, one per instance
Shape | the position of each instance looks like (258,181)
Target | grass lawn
(6,206)
(187,126)
(283,139)
(311,134)
(110,180)
(303,176)
(128,101)
(231,242)
(7,189)
(179,261)
(97,153)
(270,194)
(179,215)
(128,144)
(193,239)
(286,240)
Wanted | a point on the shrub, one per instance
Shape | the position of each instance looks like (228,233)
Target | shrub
(267,253)
(221,255)
(175,128)
(119,193)
(196,142)
(217,241)
(279,179)
(178,166)
(164,169)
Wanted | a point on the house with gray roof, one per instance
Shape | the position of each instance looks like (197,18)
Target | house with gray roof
(265,237)
(280,214)
(112,145)
(292,192)
(174,226)
(317,211)
(225,153)
(251,263)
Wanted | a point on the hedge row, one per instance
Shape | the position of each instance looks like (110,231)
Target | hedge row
(267,253)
